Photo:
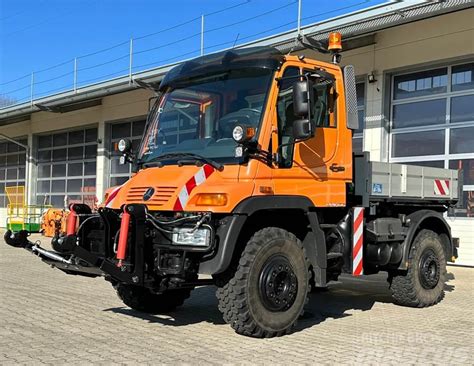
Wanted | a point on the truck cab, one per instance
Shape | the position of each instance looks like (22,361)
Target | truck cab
(255,91)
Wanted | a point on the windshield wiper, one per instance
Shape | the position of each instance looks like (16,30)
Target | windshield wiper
(190,156)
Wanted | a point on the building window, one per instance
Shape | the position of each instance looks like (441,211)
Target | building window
(466,205)
(432,114)
(134,131)
(420,84)
(429,163)
(12,167)
(67,167)
(358,138)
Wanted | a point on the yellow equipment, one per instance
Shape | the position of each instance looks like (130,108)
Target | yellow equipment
(21,216)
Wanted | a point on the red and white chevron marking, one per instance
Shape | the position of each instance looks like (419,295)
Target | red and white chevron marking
(198,179)
(358,241)
(441,187)
(112,195)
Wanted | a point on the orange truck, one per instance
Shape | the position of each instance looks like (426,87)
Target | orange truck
(246,179)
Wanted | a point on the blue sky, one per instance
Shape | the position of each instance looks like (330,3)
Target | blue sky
(38,34)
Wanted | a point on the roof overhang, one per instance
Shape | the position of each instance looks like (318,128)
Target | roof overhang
(357,29)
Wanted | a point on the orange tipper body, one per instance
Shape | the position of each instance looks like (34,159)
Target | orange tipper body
(245,173)
(309,176)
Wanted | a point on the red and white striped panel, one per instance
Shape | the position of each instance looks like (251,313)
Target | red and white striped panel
(358,241)
(112,195)
(198,179)
(441,187)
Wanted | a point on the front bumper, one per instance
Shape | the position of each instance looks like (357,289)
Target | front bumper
(141,256)
(79,261)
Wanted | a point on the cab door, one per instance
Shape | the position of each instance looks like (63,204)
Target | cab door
(316,168)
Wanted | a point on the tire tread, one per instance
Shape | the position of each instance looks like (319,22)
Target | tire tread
(143,300)
(405,288)
(232,295)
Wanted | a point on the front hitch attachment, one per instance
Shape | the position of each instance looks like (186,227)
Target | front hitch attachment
(54,259)
(66,244)
(18,239)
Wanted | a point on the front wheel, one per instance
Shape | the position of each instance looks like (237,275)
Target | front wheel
(268,291)
(143,300)
(423,284)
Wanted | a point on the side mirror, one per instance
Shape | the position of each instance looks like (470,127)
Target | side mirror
(302,97)
(301,129)
(352,117)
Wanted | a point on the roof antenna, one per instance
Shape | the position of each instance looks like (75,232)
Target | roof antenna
(298,30)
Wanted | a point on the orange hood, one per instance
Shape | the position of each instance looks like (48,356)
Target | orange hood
(173,188)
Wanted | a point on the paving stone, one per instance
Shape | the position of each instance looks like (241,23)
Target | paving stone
(49,317)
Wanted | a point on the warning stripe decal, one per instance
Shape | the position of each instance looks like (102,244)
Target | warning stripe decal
(358,241)
(112,195)
(196,180)
(441,187)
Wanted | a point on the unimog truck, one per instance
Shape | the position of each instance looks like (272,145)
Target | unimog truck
(245,175)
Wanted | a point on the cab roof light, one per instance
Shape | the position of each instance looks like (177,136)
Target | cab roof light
(335,46)
(335,42)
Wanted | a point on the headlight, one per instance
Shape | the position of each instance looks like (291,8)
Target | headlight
(124,145)
(238,133)
(242,133)
(198,238)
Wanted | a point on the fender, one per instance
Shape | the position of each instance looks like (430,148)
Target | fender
(253,204)
(228,233)
(426,219)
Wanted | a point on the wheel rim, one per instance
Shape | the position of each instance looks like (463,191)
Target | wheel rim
(429,269)
(278,284)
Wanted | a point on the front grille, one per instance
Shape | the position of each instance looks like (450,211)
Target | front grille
(161,196)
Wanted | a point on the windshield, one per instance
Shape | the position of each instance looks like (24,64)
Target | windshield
(198,116)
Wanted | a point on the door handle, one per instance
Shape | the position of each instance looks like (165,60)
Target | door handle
(335,168)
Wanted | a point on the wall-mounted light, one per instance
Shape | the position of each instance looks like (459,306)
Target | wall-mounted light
(371,77)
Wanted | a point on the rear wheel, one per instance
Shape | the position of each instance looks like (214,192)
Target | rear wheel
(143,300)
(268,291)
(423,284)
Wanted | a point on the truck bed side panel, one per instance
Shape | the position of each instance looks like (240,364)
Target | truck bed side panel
(376,181)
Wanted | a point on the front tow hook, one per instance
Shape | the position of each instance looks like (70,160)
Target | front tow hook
(18,239)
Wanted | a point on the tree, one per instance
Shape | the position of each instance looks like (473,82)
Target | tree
(5,101)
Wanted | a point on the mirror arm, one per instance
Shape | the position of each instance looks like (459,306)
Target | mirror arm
(275,157)
(252,151)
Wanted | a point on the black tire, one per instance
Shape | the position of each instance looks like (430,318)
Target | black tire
(423,283)
(273,258)
(143,300)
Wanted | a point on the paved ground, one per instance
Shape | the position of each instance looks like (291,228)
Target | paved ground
(48,317)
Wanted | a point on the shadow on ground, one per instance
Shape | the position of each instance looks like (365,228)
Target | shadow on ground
(337,301)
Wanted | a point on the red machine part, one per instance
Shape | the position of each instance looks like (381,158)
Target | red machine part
(123,238)
(71,221)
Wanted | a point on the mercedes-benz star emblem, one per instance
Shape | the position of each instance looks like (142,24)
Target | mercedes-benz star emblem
(148,194)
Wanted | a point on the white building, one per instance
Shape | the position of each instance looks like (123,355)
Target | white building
(415,67)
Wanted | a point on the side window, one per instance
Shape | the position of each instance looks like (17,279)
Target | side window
(323,109)
(286,116)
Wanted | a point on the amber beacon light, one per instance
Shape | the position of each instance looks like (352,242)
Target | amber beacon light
(335,42)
